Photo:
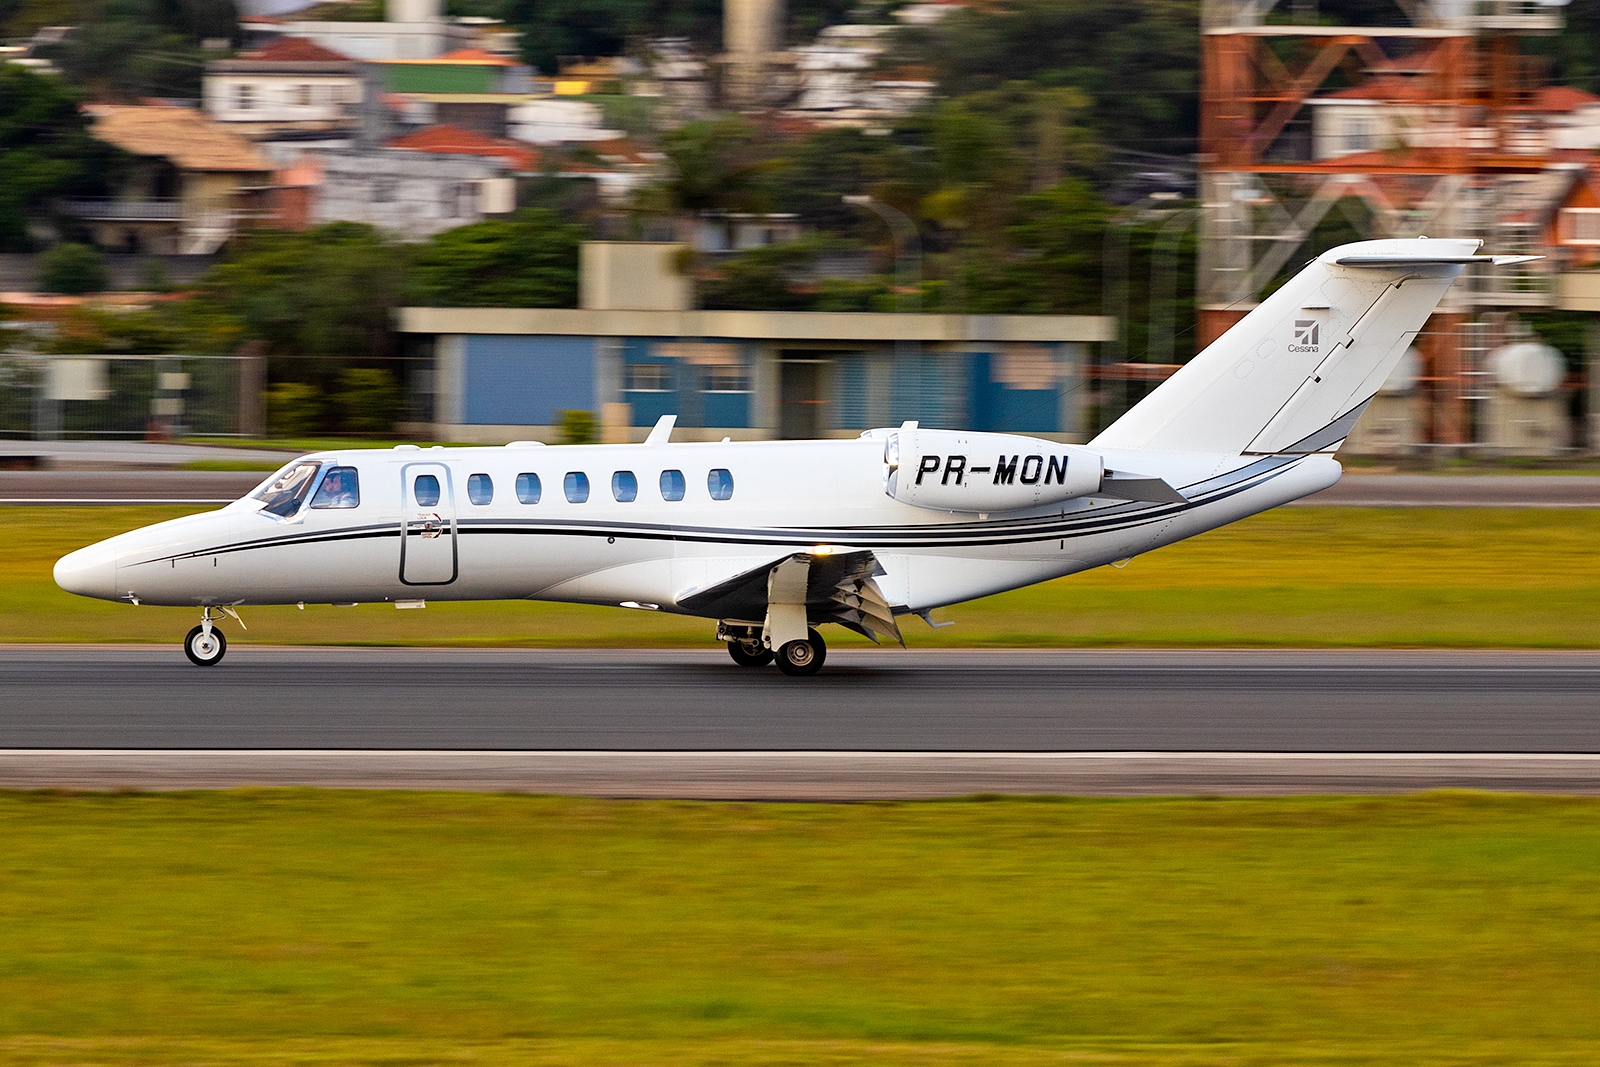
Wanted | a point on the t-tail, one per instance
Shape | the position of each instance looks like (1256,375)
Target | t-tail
(1294,374)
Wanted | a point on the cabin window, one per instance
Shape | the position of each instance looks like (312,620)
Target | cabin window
(480,489)
(340,488)
(625,487)
(528,488)
(285,491)
(672,485)
(426,490)
(576,486)
(720,482)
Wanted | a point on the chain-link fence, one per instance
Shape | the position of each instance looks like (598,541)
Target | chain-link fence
(48,397)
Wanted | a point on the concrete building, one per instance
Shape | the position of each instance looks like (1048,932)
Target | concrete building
(636,351)
(411,194)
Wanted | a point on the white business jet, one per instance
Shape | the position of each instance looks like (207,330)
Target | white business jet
(773,539)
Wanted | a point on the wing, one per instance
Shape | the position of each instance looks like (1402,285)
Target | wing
(839,588)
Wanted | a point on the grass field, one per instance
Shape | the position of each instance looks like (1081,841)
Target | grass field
(395,928)
(1469,577)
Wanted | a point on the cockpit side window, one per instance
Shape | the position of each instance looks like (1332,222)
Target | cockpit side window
(285,491)
(340,488)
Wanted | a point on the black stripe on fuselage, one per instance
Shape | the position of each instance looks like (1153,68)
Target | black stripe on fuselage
(948,535)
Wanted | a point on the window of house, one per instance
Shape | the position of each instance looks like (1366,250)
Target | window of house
(624,487)
(383,190)
(726,379)
(528,488)
(480,489)
(244,97)
(449,199)
(576,486)
(672,485)
(302,95)
(648,377)
(720,483)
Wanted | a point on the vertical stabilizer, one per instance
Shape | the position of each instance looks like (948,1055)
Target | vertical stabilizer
(1295,373)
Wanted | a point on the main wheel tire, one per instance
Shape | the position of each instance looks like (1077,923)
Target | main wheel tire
(205,651)
(749,653)
(800,658)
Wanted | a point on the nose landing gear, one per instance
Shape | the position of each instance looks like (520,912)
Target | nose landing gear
(205,646)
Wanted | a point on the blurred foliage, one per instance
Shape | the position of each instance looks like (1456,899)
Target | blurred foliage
(1137,61)
(45,151)
(73,269)
(556,29)
(293,408)
(368,401)
(320,296)
(713,165)
(578,427)
(759,278)
(529,260)
(130,49)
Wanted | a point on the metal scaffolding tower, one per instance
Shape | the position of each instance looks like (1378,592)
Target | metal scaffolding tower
(1428,128)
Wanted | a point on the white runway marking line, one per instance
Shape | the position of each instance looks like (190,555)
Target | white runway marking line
(804,775)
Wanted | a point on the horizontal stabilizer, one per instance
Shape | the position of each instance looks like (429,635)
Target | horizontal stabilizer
(1425,260)
(1125,486)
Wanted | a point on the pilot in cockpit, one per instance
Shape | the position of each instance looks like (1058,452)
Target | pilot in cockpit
(339,490)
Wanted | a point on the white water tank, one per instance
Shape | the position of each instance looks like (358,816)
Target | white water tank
(1528,368)
(1403,379)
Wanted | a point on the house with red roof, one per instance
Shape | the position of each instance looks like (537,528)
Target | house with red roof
(291,89)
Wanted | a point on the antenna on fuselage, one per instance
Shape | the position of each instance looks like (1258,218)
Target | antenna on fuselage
(661,433)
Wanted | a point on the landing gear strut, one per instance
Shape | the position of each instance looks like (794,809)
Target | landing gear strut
(800,658)
(749,652)
(205,645)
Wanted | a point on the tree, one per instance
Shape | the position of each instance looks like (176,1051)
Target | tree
(320,299)
(715,165)
(73,269)
(143,48)
(529,260)
(1138,61)
(45,151)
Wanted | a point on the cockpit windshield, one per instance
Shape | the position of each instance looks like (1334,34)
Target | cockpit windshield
(285,491)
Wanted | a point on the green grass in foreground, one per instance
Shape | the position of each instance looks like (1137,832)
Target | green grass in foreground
(329,927)
(1466,577)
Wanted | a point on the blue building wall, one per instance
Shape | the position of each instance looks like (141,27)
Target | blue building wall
(994,406)
(527,381)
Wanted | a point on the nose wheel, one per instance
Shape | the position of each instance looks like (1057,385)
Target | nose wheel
(205,645)
(801,658)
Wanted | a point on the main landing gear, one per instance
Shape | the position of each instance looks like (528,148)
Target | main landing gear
(205,646)
(797,658)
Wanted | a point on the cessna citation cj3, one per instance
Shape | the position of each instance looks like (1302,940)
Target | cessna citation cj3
(773,539)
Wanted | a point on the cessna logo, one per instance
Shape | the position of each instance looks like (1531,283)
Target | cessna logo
(1028,470)
(1307,335)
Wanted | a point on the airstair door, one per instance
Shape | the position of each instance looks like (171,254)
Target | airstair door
(428,554)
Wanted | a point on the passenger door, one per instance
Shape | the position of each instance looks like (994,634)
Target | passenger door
(428,554)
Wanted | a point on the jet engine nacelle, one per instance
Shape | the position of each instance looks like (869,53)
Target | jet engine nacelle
(948,470)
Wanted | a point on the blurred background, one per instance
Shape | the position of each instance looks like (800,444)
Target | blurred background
(508,219)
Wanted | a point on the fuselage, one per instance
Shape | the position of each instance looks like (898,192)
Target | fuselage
(645,525)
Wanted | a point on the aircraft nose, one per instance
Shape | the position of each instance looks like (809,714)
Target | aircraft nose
(89,571)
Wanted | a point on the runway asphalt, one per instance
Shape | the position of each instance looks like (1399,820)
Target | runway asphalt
(440,706)
(1354,490)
